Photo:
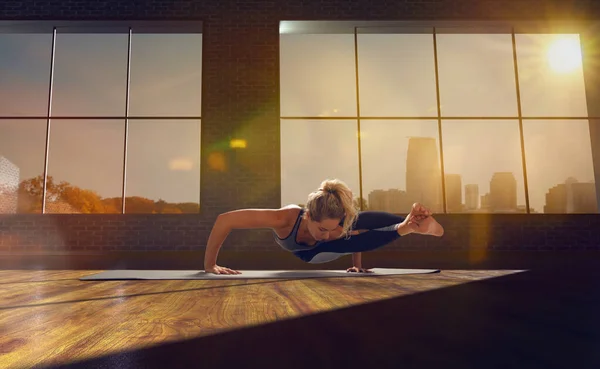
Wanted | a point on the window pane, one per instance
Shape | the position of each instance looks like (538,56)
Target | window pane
(22,151)
(477,75)
(483,158)
(24,74)
(90,74)
(397,156)
(315,150)
(396,75)
(166,74)
(163,166)
(318,75)
(560,170)
(551,75)
(85,166)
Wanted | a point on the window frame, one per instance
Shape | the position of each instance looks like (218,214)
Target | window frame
(588,30)
(104,26)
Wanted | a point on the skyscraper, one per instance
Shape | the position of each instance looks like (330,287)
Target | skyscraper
(571,197)
(556,200)
(503,192)
(471,196)
(569,189)
(485,202)
(393,201)
(584,198)
(423,173)
(453,193)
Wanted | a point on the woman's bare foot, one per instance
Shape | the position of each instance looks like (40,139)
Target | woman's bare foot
(430,226)
(420,221)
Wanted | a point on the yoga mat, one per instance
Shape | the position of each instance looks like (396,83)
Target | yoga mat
(246,274)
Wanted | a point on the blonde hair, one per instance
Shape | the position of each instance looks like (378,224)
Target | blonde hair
(333,200)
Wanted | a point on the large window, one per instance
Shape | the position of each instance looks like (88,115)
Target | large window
(461,118)
(100,117)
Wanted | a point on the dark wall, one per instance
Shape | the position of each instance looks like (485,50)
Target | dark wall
(240,97)
(102,233)
(263,11)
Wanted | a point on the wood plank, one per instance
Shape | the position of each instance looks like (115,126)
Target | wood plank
(50,317)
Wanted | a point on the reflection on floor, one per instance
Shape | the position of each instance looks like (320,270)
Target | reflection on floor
(456,318)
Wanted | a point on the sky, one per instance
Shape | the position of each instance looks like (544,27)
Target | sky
(318,79)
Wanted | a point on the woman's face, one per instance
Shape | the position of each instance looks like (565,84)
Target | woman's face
(322,231)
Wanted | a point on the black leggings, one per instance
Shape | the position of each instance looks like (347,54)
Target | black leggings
(381,230)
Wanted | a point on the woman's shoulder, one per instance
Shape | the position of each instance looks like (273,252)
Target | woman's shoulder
(292,206)
(291,210)
(290,213)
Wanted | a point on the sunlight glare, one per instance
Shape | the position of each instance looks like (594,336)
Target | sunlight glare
(564,55)
(183,164)
(237,144)
(216,161)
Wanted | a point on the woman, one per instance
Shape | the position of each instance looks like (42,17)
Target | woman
(328,227)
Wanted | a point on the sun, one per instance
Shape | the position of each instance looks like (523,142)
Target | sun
(564,55)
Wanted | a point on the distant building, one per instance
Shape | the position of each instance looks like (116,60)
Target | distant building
(471,197)
(503,192)
(423,172)
(393,201)
(571,197)
(9,186)
(583,198)
(453,193)
(485,202)
(556,200)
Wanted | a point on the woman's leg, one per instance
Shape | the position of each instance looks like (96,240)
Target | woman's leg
(374,220)
(381,229)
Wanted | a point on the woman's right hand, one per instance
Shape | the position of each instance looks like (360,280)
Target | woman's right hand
(221,270)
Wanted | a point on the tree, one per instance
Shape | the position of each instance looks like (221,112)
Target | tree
(86,201)
(139,205)
(160,206)
(358,201)
(81,200)
(65,197)
(31,192)
(188,207)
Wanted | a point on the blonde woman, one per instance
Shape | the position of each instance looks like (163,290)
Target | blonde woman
(327,228)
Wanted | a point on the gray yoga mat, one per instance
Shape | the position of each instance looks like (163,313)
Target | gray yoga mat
(246,274)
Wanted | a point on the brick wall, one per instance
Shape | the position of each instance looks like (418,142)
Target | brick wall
(263,11)
(59,233)
(240,96)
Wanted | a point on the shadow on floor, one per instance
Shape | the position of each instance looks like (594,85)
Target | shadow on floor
(546,318)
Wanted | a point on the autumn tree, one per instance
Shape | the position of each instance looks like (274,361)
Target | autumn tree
(87,201)
(81,200)
(139,205)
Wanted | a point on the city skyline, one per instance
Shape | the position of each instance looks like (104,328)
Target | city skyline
(501,194)
(586,198)
(318,79)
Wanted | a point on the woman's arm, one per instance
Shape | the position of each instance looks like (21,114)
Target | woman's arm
(240,219)
(357,264)
(357,260)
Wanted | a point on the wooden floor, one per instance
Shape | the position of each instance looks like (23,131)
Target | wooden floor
(49,318)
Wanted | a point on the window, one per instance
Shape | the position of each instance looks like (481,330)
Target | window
(556,128)
(100,117)
(464,118)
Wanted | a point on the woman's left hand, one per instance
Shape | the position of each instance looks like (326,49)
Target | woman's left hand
(358,270)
